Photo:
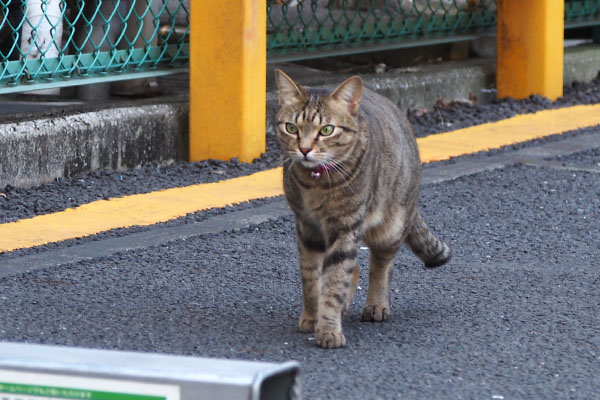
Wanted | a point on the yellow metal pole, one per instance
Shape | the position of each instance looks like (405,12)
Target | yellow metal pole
(530,39)
(227,79)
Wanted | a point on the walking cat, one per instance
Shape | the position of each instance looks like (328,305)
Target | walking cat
(351,173)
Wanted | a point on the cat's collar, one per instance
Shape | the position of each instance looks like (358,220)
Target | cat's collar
(317,172)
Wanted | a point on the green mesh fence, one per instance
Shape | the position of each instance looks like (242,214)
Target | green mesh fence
(343,26)
(300,29)
(582,13)
(50,43)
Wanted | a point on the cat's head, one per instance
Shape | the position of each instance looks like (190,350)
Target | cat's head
(314,126)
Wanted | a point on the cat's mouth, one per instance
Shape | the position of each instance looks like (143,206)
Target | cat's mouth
(310,163)
(320,170)
(317,168)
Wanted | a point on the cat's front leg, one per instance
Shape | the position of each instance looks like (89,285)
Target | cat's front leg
(311,246)
(339,268)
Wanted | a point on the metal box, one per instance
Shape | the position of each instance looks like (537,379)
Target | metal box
(29,372)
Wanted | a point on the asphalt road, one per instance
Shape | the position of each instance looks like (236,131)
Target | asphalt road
(513,316)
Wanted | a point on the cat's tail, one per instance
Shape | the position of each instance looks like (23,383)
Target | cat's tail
(431,250)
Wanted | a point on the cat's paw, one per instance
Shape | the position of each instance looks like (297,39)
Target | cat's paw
(306,323)
(330,339)
(375,313)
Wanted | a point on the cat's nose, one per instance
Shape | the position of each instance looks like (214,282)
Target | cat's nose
(304,151)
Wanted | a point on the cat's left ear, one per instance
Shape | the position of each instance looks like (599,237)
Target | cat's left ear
(348,94)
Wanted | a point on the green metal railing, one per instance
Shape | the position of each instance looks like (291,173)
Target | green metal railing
(53,43)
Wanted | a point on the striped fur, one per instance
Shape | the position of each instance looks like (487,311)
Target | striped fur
(358,183)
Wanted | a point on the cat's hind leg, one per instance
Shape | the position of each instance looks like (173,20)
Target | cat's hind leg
(384,241)
(377,308)
(351,290)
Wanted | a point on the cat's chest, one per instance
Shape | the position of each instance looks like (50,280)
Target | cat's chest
(316,203)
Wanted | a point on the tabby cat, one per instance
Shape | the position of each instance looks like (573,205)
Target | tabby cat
(351,173)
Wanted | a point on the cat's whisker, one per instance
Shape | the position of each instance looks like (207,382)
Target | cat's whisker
(343,168)
(286,160)
(288,169)
(328,177)
(339,167)
(344,171)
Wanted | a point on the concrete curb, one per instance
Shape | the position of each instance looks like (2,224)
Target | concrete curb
(409,88)
(582,63)
(38,151)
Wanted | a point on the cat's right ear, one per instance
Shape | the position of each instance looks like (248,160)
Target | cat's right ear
(290,93)
(348,94)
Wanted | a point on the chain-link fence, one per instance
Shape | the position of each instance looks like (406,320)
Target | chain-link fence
(55,42)
(62,42)
(297,28)
(582,13)
(300,29)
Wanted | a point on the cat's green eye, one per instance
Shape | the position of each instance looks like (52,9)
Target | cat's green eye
(291,128)
(326,130)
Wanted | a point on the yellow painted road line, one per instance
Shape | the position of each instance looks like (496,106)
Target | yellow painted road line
(494,135)
(136,210)
(164,205)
